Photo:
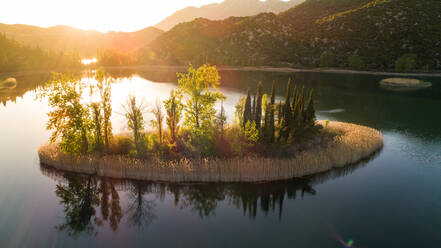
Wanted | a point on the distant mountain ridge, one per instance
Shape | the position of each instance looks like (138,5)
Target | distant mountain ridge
(66,38)
(225,9)
(376,32)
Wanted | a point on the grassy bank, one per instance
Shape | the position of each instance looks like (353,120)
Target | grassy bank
(350,144)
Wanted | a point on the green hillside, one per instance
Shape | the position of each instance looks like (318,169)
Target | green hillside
(359,34)
(15,56)
(65,38)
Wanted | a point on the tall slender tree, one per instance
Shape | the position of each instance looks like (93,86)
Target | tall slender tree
(269,118)
(135,122)
(247,113)
(287,113)
(258,106)
(173,107)
(159,117)
(105,89)
(310,111)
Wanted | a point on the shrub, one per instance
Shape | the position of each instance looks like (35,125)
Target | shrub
(356,62)
(121,144)
(406,63)
(327,59)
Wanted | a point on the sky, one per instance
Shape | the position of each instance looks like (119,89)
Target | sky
(101,15)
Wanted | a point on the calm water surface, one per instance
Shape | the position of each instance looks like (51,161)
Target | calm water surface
(392,200)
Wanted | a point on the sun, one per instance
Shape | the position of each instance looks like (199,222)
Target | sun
(104,16)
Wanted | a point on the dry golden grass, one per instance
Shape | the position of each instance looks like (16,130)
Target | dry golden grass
(405,83)
(352,144)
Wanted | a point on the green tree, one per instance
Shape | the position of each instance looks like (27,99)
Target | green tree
(251,132)
(173,107)
(69,118)
(297,127)
(258,106)
(135,122)
(221,120)
(239,111)
(197,85)
(104,85)
(269,117)
(356,62)
(327,59)
(98,141)
(247,113)
(406,63)
(310,111)
(158,120)
(287,113)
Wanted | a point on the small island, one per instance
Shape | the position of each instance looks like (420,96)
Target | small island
(9,83)
(403,84)
(267,141)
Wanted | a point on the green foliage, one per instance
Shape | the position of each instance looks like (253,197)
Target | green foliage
(406,63)
(269,128)
(135,122)
(197,85)
(81,125)
(158,119)
(251,132)
(247,114)
(102,109)
(310,111)
(356,62)
(69,118)
(287,114)
(258,106)
(327,59)
(221,120)
(173,107)
(121,145)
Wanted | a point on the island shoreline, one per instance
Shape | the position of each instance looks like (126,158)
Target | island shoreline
(354,144)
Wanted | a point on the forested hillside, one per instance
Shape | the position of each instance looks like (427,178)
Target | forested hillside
(15,57)
(86,43)
(359,34)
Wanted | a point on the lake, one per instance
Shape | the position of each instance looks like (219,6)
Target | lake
(390,200)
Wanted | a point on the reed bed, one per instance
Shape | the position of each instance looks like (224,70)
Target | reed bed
(351,144)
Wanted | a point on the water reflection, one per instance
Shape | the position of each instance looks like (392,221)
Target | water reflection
(25,82)
(83,196)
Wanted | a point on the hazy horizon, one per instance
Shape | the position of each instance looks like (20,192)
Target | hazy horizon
(103,16)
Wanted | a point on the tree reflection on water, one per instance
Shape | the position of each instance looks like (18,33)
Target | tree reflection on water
(89,202)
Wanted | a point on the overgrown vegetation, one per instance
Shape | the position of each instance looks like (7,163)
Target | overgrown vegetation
(194,128)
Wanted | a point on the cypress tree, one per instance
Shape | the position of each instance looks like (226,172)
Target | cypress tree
(269,118)
(258,106)
(253,109)
(310,111)
(287,113)
(247,114)
(273,93)
(280,113)
(302,100)
(295,97)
